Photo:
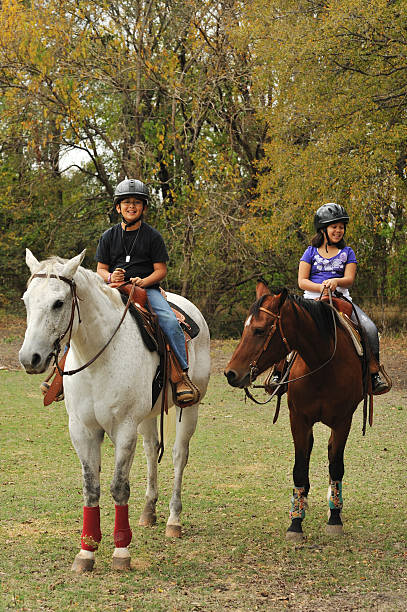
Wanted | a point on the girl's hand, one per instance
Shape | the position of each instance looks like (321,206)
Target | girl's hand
(330,283)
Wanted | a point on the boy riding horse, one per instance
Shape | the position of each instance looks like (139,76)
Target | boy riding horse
(134,251)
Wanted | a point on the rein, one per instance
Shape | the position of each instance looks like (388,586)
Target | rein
(253,364)
(75,306)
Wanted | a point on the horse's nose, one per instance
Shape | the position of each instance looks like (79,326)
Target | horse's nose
(231,375)
(35,360)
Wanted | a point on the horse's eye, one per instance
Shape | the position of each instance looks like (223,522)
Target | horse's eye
(58,304)
(259,332)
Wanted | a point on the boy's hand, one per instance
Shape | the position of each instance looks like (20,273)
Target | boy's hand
(118,276)
(140,282)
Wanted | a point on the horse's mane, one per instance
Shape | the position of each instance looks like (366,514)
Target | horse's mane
(319,311)
(54,264)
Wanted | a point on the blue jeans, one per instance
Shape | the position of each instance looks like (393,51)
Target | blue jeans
(169,324)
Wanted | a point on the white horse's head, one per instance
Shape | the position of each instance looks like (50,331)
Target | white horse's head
(48,302)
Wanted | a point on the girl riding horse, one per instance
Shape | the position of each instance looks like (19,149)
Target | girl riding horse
(329,264)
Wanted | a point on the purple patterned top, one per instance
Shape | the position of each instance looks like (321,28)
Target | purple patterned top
(323,268)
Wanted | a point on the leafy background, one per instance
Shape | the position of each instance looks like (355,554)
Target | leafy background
(243,118)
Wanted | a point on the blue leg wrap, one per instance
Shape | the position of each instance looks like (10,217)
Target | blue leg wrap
(335,498)
(298,503)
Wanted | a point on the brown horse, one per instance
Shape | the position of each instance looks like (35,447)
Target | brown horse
(325,384)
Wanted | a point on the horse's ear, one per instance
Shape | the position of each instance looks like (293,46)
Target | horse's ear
(283,296)
(31,261)
(261,288)
(72,265)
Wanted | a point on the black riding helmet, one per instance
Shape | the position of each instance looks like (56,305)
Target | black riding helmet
(131,187)
(328,214)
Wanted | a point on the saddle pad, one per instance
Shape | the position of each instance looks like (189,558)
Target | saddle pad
(188,325)
(149,341)
(352,331)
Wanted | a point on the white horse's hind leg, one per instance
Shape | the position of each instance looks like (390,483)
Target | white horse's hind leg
(180,452)
(148,430)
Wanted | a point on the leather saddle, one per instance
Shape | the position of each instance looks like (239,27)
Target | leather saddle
(340,304)
(344,310)
(147,320)
(155,339)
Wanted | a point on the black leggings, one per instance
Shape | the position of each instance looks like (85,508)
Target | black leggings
(370,329)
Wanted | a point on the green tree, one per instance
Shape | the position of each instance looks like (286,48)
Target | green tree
(336,110)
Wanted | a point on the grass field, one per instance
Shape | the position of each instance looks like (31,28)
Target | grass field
(237,489)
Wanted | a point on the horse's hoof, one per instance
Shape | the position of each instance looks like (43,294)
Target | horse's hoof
(294,536)
(147,519)
(173,531)
(334,530)
(121,563)
(82,564)
(121,559)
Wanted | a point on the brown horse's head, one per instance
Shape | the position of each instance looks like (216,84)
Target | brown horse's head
(262,342)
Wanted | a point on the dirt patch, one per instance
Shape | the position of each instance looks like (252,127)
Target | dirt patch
(393,351)
(394,358)
(12,331)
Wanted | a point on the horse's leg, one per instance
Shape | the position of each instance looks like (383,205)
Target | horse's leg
(185,430)
(303,443)
(148,430)
(87,444)
(336,448)
(125,445)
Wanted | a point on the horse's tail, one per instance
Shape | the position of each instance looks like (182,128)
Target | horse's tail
(169,424)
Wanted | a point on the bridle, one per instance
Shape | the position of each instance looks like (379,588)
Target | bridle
(75,307)
(253,364)
(277,320)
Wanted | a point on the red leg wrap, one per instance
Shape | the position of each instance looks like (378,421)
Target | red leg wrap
(122,531)
(91,534)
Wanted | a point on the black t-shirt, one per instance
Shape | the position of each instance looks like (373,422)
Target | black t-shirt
(141,248)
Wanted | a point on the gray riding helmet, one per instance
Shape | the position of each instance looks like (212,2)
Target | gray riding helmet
(131,187)
(330,213)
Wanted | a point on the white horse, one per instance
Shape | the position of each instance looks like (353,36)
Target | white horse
(112,395)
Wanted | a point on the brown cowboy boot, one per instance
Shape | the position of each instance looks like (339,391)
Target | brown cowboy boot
(186,393)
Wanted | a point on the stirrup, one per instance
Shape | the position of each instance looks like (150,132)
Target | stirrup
(45,387)
(189,394)
(274,380)
(380,386)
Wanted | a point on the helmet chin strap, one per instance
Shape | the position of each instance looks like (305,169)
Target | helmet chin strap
(130,223)
(328,242)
